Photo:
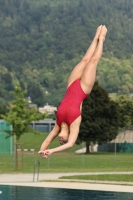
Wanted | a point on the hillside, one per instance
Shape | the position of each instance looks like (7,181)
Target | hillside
(41,41)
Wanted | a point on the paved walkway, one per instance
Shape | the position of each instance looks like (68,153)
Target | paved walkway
(55,182)
(20,177)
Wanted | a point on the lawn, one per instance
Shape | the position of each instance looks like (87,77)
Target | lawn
(102,177)
(70,162)
(34,141)
(66,161)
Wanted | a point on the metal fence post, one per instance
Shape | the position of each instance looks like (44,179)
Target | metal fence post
(36,163)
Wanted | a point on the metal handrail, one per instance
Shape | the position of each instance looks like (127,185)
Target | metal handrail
(37,162)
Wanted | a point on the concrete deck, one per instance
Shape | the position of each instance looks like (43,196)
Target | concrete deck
(55,182)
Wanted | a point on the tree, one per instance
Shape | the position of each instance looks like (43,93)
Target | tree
(100,118)
(126,110)
(33,35)
(20,115)
(2,111)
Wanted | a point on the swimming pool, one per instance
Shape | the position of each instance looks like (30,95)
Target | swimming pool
(39,193)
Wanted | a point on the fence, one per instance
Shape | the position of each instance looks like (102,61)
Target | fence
(6,146)
(120,147)
(123,143)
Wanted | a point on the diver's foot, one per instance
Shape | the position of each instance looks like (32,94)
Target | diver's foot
(103,33)
(98,31)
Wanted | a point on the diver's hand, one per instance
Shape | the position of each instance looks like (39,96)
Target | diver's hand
(46,153)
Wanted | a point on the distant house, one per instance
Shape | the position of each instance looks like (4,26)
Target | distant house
(48,109)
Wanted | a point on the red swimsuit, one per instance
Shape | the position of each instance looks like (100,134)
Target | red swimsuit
(69,109)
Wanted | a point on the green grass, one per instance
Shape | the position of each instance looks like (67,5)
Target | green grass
(34,141)
(66,161)
(102,177)
(69,162)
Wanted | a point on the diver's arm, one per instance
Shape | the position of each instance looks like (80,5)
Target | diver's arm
(50,138)
(71,141)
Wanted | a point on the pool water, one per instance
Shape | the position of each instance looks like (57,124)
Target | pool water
(38,193)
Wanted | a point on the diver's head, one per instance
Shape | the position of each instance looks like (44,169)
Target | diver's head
(64,134)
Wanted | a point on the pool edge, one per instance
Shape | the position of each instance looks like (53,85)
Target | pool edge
(75,185)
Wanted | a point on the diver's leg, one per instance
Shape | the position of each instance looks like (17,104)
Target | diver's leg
(89,74)
(78,70)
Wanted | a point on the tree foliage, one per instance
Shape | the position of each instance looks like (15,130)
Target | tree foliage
(126,110)
(2,111)
(100,118)
(41,42)
(20,115)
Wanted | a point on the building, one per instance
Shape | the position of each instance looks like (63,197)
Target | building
(43,126)
(49,109)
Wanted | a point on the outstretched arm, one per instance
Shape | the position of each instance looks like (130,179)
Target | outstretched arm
(50,138)
(71,141)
